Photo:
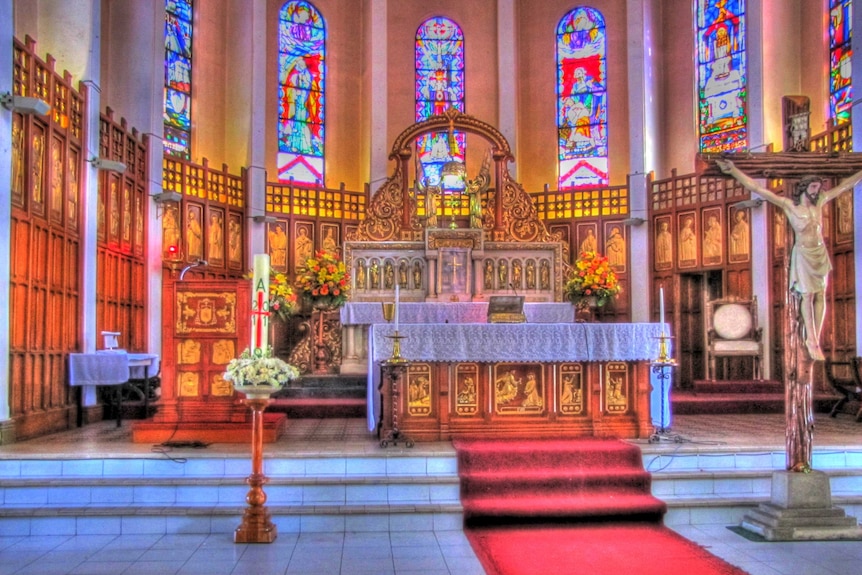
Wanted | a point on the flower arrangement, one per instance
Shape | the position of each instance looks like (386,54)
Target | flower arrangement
(251,373)
(592,277)
(282,298)
(324,278)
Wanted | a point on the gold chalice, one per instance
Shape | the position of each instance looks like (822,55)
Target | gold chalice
(388,310)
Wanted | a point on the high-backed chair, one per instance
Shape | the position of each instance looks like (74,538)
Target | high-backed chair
(732,331)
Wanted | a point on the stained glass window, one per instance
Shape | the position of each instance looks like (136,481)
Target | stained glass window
(721,75)
(178,77)
(301,72)
(439,86)
(582,110)
(839,60)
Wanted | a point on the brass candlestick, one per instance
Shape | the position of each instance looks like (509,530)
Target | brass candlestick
(389,315)
(663,353)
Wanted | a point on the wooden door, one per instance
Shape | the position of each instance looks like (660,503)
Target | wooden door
(690,329)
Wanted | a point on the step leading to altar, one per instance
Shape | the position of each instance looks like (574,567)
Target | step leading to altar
(322,396)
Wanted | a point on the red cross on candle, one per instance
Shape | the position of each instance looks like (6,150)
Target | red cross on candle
(260,317)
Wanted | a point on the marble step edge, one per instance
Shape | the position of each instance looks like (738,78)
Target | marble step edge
(225,510)
(743,473)
(751,500)
(121,481)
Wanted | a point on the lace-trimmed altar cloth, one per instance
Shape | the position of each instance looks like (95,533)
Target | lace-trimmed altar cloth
(368,313)
(523,342)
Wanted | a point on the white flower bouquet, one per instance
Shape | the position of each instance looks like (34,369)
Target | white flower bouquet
(260,374)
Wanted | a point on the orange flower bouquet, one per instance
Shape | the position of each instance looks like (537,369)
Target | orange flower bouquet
(282,298)
(324,280)
(592,277)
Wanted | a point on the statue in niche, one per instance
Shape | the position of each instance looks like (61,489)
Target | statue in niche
(194,235)
(739,237)
(304,246)
(402,274)
(234,238)
(17,157)
(417,275)
(663,244)
(431,193)
(329,243)
(374,273)
(531,274)
(712,241)
(615,248)
(503,274)
(687,241)
(489,274)
(475,188)
(388,275)
(215,241)
(845,213)
(278,246)
(360,274)
(170,226)
(38,161)
(516,273)
(545,275)
(589,243)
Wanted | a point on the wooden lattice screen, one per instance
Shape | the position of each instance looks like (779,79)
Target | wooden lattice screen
(45,299)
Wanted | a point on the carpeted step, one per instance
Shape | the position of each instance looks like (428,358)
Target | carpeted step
(589,479)
(319,407)
(603,506)
(737,386)
(555,481)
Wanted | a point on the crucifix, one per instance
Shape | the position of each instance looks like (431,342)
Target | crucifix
(805,305)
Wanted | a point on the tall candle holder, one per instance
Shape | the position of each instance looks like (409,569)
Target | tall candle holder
(390,310)
(662,368)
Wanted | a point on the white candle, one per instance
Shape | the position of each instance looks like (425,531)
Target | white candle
(661,306)
(260,305)
(397,296)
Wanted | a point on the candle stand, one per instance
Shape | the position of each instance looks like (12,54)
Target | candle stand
(392,369)
(256,527)
(663,369)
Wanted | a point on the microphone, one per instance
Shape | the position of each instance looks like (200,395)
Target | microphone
(512,287)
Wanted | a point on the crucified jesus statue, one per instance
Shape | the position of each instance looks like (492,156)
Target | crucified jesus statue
(809,260)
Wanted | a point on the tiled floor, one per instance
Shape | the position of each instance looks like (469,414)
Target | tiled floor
(428,553)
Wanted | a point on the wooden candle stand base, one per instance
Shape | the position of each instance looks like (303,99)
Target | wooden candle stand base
(256,525)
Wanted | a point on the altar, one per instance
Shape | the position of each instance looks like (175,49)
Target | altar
(525,380)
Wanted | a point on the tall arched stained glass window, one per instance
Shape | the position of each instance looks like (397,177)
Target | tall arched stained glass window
(178,77)
(721,75)
(582,111)
(839,60)
(301,73)
(439,86)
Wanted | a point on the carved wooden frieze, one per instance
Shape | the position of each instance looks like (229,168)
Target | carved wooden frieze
(518,389)
(616,388)
(205,313)
(467,389)
(572,389)
(420,390)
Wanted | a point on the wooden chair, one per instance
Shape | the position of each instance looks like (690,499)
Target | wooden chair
(732,331)
(845,378)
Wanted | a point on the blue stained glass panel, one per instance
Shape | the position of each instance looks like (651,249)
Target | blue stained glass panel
(582,105)
(302,72)
(722,75)
(439,84)
(840,52)
(178,77)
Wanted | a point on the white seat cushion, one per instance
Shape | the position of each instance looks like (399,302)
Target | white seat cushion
(732,321)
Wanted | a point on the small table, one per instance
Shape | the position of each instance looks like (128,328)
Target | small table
(99,369)
(145,361)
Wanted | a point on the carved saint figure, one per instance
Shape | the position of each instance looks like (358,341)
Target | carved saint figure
(489,274)
(374,272)
(329,244)
(712,240)
(516,273)
(589,243)
(360,274)
(234,240)
(402,274)
(531,391)
(304,247)
(545,275)
(663,245)
(531,274)
(170,228)
(739,237)
(615,249)
(507,386)
(417,275)
(809,259)
(687,241)
(215,240)
(278,246)
(194,235)
(388,275)
(503,274)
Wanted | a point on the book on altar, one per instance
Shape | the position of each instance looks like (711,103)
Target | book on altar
(506,309)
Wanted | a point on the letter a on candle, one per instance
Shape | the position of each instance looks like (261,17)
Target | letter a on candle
(260,305)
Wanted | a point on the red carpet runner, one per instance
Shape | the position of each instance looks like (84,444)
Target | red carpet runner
(574,506)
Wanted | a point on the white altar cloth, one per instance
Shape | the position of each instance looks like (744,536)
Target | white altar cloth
(523,342)
(368,313)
